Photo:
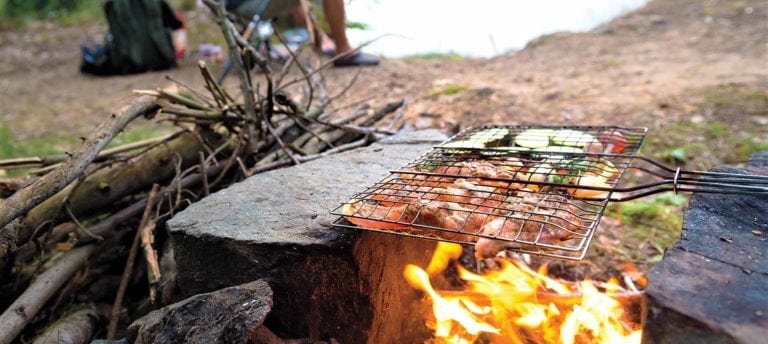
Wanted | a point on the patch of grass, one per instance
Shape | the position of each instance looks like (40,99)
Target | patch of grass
(451,55)
(730,134)
(10,147)
(735,100)
(447,90)
(703,145)
(17,13)
(356,25)
(654,223)
(54,144)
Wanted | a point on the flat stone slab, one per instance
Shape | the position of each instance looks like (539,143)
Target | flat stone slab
(712,285)
(276,226)
(292,205)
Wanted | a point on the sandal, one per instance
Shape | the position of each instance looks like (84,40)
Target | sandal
(358,59)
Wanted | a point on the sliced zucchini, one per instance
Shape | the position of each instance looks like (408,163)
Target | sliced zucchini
(562,149)
(490,134)
(573,138)
(463,144)
(534,138)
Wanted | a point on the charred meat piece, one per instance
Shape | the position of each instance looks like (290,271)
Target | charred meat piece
(535,218)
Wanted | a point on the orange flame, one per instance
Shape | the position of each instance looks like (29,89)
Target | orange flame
(515,304)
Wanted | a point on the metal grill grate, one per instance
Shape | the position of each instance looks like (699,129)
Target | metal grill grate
(504,187)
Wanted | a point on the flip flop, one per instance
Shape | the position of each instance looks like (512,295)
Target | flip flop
(358,59)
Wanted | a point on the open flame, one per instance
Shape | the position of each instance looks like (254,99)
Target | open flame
(516,304)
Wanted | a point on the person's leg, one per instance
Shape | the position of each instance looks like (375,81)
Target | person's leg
(301,16)
(336,17)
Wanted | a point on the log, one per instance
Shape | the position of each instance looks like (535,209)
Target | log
(712,286)
(104,187)
(76,327)
(41,189)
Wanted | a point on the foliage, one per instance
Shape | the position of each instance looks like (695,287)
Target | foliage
(655,223)
(451,55)
(727,131)
(18,12)
(51,144)
(447,90)
(44,145)
(356,25)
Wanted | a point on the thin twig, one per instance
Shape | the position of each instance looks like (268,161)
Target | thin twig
(245,86)
(153,266)
(398,116)
(178,98)
(206,188)
(345,89)
(117,305)
(330,62)
(230,161)
(301,68)
(199,94)
(281,143)
(80,225)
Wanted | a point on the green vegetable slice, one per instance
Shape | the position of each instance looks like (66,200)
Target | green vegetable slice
(534,138)
(573,138)
(562,149)
(464,144)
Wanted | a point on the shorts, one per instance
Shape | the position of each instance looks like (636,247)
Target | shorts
(245,9)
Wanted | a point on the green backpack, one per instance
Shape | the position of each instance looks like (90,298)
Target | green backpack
(139,37)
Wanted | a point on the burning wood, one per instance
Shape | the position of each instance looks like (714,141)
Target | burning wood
(516,304)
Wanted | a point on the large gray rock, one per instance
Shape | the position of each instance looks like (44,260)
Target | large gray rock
(277,226)
(712,286)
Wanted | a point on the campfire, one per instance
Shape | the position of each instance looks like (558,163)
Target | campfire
(515,304)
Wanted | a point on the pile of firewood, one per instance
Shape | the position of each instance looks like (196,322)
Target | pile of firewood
(81,239)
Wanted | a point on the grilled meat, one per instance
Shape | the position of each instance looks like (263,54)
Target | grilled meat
(467,206)
(536,218)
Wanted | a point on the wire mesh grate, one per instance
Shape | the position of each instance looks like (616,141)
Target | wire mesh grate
(502,187)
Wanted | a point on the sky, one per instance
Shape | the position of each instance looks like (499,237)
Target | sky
(479,28)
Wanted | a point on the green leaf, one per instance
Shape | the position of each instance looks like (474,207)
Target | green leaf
(676,155)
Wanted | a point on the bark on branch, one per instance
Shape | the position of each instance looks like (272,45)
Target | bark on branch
(13,320)
(32,195)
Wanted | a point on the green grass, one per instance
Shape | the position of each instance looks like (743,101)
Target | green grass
(704,145)
(447,90)
(49,144)
(728,134)
(17,13)
(651,223)
(54,144)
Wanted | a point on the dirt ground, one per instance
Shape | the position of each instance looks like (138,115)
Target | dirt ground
(645,68)
(650,68)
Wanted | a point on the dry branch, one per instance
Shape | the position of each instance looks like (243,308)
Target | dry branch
(46,186)
(108,185)
(77,327)
(26,306)
(145,220)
